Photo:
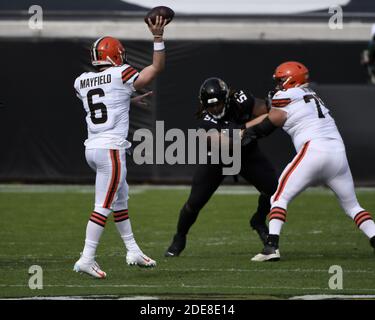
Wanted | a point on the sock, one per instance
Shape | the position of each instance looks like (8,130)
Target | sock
(94,230)
(275,226)
(365,223)
(125,230)
(277,218)
(368,228)
(186,220)
(372,242)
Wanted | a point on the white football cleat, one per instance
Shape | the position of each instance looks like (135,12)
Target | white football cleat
(268,254)
(91,268)
(136,258)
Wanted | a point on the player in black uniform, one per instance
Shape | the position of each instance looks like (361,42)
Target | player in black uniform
(222,108)
(368,59)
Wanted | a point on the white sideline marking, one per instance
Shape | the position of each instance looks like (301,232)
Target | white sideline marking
(332,296)
(137,189)
(31,188)
(251,270)
(93,297)
(112,297)
(182,285)
(261,270)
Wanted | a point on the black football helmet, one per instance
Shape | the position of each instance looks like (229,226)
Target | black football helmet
(214,97)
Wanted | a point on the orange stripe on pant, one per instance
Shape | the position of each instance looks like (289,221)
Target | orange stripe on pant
(118,213)
(98,221)
(294,165)
(278,210)
(277,216)
(99,217)
(121,218)
(121,215)
(116,172)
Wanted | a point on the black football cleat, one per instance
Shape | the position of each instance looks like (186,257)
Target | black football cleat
(372,242)
(260,228)
(270,251)
(177,246)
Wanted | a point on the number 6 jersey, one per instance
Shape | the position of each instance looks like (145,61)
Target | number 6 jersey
(307,117)
(106,98)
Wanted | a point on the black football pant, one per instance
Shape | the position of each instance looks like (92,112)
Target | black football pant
(255,168)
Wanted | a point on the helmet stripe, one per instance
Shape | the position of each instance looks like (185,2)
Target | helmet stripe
(95,49)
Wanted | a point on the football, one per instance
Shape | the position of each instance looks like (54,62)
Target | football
(165,12)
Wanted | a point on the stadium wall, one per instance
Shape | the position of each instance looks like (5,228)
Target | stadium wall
(43,126)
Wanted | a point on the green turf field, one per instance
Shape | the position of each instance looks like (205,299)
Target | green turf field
(45,226)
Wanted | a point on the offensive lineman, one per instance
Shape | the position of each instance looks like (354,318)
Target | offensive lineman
(222,108)
(105,95)
(321,156)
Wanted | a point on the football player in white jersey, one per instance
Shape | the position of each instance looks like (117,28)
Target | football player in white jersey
(320,159)
(106,95)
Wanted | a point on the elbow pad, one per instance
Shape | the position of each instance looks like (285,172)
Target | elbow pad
(265,128)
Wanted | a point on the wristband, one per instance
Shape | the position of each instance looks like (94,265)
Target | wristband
(159,46)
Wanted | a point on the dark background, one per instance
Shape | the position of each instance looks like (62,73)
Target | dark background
(42,124)
(355,6)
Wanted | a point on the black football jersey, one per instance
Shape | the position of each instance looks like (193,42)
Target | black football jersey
(239,111)
(240,107)
(372,52)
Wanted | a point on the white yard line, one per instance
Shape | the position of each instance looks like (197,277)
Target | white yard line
(332,296)
(93,297)
(136,189)
(233,270)
(263,270)
(115,297)
(182,285)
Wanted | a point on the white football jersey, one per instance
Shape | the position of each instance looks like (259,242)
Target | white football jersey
(307,117)
(106,98)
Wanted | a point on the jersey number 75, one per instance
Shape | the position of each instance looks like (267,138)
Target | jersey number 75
(318,103)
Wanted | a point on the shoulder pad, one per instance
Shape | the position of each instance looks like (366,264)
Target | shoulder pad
(282,98)
(127,73)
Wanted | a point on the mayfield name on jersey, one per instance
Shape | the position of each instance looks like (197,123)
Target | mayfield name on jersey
(96,81)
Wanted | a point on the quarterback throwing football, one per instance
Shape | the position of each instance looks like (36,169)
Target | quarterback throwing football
(320,159)
(106,95)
